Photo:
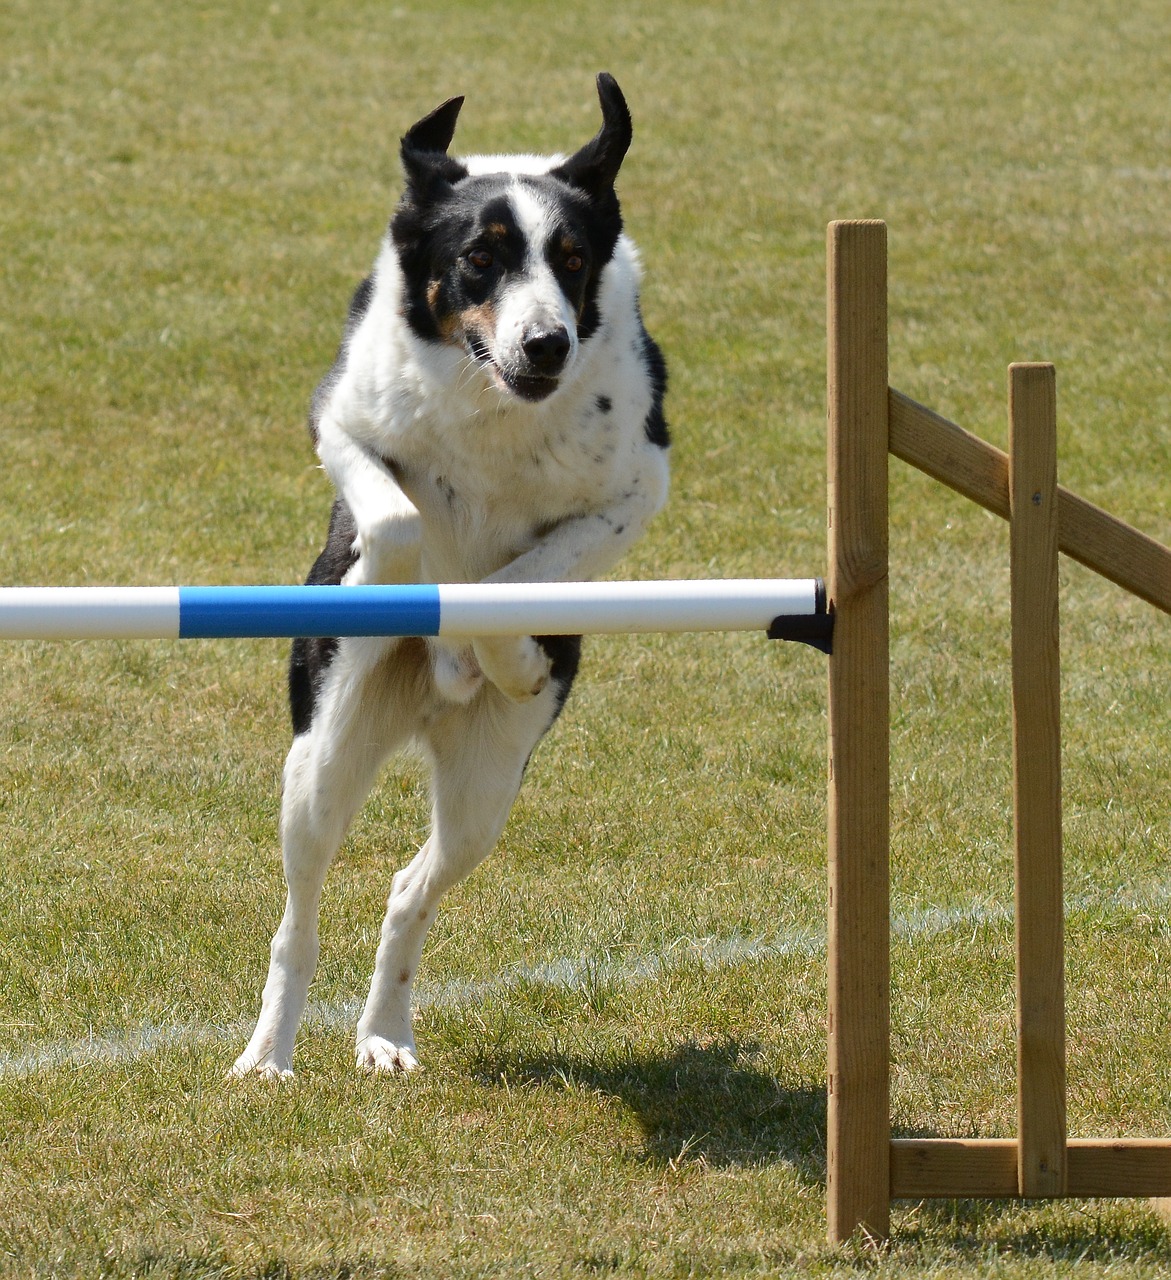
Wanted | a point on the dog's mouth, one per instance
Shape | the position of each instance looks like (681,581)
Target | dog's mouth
(531,387)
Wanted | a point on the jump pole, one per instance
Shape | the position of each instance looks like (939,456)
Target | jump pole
(786,608)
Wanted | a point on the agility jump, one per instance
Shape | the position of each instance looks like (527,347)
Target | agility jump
(868,421)
(848,619)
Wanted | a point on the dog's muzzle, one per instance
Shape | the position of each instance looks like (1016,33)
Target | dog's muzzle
(544,353)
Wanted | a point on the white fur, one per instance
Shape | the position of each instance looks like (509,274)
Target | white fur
(515,467)
(490,487)
(479,165)
(536,300)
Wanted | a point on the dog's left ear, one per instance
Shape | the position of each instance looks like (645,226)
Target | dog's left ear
(424,147)
(594,168)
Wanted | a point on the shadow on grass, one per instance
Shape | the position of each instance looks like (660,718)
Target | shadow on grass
(707,1102)
(1073,1231)
(713,1103)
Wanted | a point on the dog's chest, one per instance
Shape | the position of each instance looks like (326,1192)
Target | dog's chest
(486,493)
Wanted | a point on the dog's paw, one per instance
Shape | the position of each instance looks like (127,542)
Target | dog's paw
(387,549)
(264,1068)
(457,673)
(383,1057)
(516,665)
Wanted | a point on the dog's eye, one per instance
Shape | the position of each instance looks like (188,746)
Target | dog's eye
(574,262)
(481,259)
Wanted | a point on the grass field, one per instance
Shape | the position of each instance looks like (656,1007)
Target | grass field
(622,1014)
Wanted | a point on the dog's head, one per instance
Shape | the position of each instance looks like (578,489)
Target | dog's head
(502,256)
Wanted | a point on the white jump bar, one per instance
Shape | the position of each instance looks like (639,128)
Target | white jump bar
(462,609)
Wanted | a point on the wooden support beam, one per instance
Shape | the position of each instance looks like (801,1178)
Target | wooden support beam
(1036,700)
(957,1168)
(858,1123)
(979,471)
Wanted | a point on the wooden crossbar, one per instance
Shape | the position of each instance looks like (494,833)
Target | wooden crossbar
(866,1168)
(979,471)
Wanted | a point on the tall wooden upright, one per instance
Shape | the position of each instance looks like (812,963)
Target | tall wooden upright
(1036,697)
(858,1123)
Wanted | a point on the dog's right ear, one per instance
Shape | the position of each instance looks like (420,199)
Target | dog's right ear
(594,167)
(424,148)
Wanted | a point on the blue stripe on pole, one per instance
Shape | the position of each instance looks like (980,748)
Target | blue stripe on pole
(219,612)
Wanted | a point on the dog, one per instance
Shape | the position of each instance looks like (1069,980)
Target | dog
(494,413)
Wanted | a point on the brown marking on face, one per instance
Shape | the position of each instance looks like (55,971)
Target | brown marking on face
(446,322)
(496,231)
(479,321)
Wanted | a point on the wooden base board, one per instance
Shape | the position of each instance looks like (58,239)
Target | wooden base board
(958,1168)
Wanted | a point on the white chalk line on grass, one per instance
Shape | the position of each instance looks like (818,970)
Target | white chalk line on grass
(567,973)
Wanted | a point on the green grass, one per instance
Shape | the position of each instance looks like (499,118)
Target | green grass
(187,196)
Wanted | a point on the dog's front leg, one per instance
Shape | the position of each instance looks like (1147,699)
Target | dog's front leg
(516,665)
(582,547)
(389,533)
(577,549)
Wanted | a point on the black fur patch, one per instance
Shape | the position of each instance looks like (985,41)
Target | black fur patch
(435,231)
(655,425)
(311,656)
(565,654)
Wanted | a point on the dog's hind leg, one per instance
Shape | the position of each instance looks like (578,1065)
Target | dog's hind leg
(478,754)
(369,703)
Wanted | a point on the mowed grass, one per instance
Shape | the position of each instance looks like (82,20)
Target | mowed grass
(622,1013)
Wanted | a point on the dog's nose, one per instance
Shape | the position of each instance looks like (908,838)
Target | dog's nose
(547,350)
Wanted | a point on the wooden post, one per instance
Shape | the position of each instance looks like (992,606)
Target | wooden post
(858,1125)
(1036,697)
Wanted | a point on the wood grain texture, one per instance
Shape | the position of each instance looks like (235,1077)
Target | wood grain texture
(1036,701)
(932,1168)
(858,1124)
(979,471)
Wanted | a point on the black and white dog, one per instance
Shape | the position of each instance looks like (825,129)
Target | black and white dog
(495,413)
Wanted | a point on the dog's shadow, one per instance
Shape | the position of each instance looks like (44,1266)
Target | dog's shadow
(716,1104)
(709,1102)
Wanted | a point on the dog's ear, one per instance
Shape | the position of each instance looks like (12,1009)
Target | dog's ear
(435,131)
(424,148)
(594,168)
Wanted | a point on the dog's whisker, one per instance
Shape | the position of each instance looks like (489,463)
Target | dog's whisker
(468,371)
